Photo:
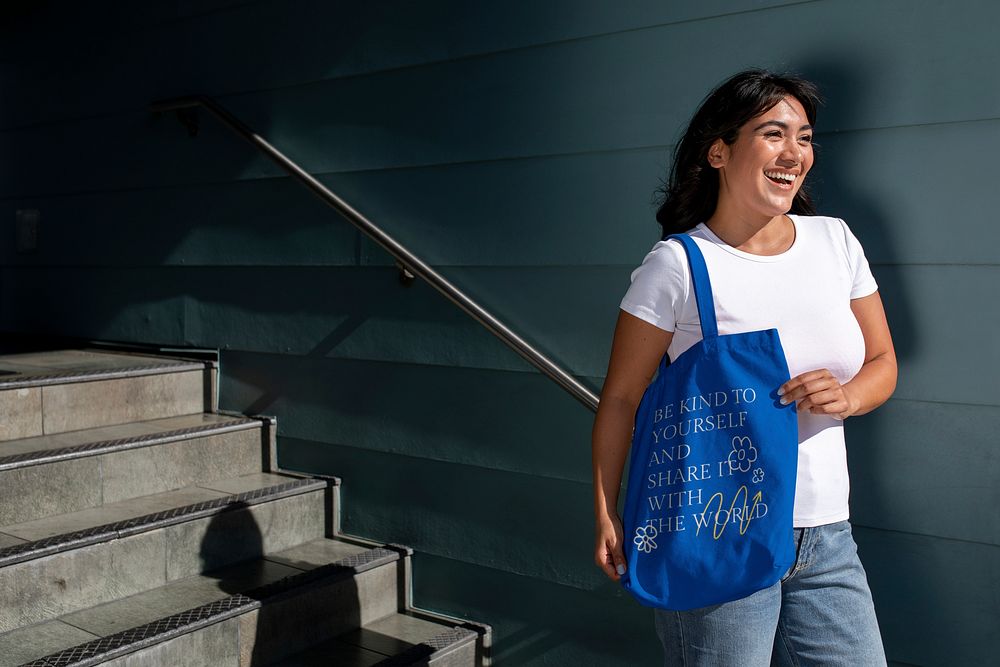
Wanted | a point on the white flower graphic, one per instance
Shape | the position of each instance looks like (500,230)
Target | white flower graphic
(644,538)
(758,475)
(743,455)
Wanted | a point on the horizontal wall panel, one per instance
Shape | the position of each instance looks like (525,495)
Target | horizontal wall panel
(331,39)
(568,313)
(890,186)
(136,149)
(937,315)
(360,314)
(110,305)
(936,598)
(328,311)
(117,18)
(584,95)
(516,422)
(927,468)
(568,210)
(934,312)
(583,92)
(259,222)
(944,328)
(536,622)
(597,208)
(523,524)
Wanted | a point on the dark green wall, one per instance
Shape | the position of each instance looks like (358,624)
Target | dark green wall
(516,146)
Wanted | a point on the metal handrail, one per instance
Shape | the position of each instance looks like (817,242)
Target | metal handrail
(407,259)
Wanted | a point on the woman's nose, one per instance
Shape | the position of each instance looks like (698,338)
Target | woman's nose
(792,152)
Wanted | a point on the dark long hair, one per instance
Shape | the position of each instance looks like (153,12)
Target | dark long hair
(691,192)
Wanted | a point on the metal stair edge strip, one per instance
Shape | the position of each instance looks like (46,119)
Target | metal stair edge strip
(127,527)
(134,639)
(26,459)
(339,569)
(434,648)
(25,380)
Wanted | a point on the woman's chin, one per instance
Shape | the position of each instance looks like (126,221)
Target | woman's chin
(780,206)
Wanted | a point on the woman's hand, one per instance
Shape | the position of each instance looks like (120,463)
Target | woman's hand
(608,552)
(635,353)
(820,393)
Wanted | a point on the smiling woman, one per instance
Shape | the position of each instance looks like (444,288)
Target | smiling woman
(760,173)
(736,188)
(692,190)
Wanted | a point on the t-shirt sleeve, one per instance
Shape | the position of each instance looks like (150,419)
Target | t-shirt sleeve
(863,280)
(659,286)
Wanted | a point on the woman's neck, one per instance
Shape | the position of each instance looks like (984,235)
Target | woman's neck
(756,236)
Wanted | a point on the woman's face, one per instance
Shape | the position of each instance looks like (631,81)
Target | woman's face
(760,172)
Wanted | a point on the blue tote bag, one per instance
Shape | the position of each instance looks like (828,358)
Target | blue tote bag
(708,509)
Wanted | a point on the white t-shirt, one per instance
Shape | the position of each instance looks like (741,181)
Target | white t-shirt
(804,292)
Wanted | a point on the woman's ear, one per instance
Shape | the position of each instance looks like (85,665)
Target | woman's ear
(718,154)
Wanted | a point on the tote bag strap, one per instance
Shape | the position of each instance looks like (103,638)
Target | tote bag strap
(702,285)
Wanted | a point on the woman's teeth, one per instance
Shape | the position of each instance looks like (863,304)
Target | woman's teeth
(780,176)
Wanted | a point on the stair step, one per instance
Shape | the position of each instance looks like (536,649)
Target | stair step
(57,474)
(66,572)
(30,643)
(403,638)
(39,368)
(37,450)
(332,585)
(54,392)
(133,514)
(137,528)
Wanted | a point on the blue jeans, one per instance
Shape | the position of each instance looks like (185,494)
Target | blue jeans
(821,613)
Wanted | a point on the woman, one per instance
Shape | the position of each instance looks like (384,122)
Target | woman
(736,189)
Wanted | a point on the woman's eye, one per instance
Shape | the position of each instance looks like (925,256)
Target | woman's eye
(773,133)
(806,139)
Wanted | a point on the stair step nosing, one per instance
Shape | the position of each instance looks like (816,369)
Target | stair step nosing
(24,381)
(26,459)
(436,647)
(134,639)
(128,527)
(343,567)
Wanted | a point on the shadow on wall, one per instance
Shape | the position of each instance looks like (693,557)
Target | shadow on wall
(100,168)
(262,266)
(165,217)
(153,197)
(842,189)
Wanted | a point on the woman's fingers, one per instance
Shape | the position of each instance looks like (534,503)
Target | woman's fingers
(611,563)
(831,402)
(804,377)
(618,558)
(603,560)
(806,384)
(817,391)
(609,556)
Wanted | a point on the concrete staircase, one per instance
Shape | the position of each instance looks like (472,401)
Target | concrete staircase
(141,526)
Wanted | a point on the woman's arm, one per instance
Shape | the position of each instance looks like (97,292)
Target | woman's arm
(636,351)
(820,393)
